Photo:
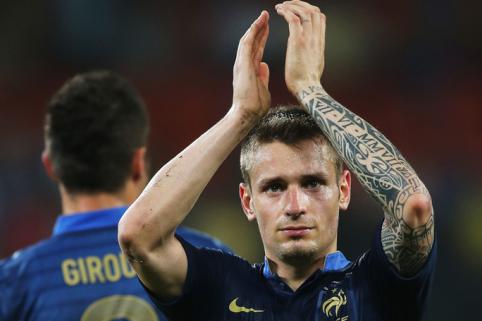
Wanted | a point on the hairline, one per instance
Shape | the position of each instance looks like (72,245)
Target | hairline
(319,139)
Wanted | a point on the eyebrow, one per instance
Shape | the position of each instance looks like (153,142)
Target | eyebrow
(269,180)
(316,175)
(320,175)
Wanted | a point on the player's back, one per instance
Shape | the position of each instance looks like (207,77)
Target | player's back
(78,274)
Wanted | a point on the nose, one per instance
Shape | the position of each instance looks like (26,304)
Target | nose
(295,202)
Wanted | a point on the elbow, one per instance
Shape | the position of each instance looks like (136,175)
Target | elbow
(133,238)
(138,237)
(127,236)
(418,210)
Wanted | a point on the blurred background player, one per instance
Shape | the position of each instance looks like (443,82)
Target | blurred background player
(96,130)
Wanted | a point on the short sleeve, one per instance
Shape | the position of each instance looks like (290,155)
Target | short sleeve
(203,287)
(200,239)
(400,297)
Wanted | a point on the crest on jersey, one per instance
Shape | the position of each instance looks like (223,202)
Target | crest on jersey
(333,305)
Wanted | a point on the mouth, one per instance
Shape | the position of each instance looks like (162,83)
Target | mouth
(296,231)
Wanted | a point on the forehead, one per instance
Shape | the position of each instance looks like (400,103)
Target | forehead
(277,159)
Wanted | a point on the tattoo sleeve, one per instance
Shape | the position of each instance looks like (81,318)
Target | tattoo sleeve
(382,171)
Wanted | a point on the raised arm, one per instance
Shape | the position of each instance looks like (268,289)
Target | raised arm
(408,228)
(146,231)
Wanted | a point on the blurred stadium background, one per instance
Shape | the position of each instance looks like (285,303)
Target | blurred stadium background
(412,68)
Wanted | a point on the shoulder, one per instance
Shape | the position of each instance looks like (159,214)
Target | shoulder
(205,257)
(16,275)
(38,257)
(20,261)
(201,240)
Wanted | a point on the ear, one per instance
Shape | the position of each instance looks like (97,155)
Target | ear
(48,166)
(139,165)
(345,189)
(246,201)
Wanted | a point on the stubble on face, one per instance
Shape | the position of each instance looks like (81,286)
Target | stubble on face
(298,254)
(290,163)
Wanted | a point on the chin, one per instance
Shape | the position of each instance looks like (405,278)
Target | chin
(298,252)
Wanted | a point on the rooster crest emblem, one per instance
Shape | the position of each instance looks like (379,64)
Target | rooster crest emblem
(332,306)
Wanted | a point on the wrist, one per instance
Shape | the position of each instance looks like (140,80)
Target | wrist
(307,91)
(245,119)
(308,86)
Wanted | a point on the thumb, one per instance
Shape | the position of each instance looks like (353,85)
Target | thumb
(264,73)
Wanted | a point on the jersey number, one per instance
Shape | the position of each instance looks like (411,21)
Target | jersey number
(114,307)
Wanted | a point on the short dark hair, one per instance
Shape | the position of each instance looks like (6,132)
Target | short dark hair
(94,123)
(289,125)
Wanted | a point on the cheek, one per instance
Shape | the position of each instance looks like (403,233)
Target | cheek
(326,205)
(267,211)
(267,206)
(329,193)
(326,198)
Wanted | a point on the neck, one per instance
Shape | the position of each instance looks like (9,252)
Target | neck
(80,202)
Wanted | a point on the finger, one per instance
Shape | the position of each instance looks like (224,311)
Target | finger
(260,45)
(318,25)
(264,74)
(246,41)
(321,25)
(303,13)
(257,28)
(317,30)
(262,35)
(303,4)
(318,20)
(294,22)
(240,44)
(243,37)
(312,11)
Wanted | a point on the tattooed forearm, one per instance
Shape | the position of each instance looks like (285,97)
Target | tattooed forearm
(406,247)
(382,171)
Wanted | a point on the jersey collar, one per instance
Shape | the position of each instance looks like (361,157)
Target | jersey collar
(334,262)
(88,220)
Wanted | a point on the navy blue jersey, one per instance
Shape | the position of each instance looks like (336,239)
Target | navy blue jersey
(221,287)
(79,274)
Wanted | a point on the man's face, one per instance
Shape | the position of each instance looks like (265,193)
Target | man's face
(295,197)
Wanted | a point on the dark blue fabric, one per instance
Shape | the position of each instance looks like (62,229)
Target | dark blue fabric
(368,289)
(335,261)
(79,272)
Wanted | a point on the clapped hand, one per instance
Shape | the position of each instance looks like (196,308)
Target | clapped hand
(251,96)
(305,58)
